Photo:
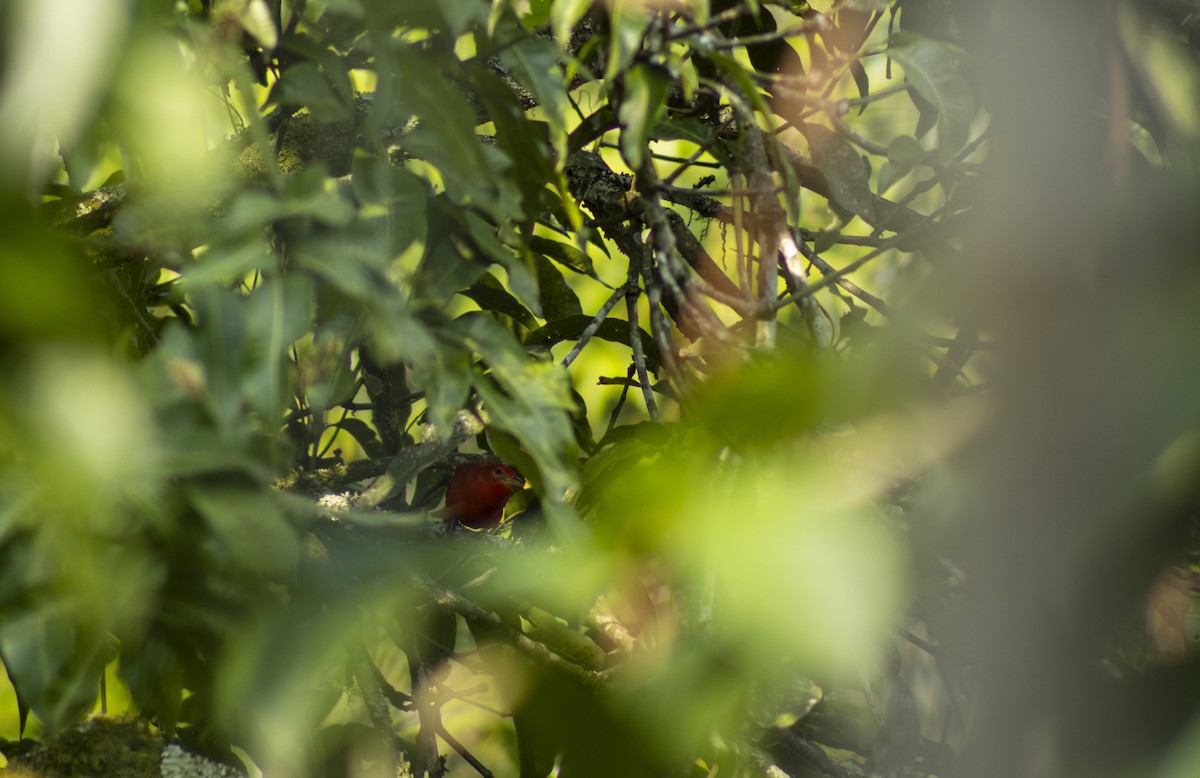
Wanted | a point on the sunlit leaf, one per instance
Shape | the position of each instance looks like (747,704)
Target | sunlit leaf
(629,20)
(645,90)
(564,15)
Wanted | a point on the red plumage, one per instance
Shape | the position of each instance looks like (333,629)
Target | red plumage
(478,493)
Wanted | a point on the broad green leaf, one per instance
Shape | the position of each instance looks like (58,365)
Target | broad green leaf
(563,253)
(741,79)
(904,153)
(250,529)
(253,211)
(612,330)
(591,128)
(364,434)
(277,314)
(558,299)
(695,132)
(327,97)
(527,143)
(489,295)
(645,91)
(682,129)
(906,150)
(257,21)
(629,20)
(460,15)
(522,278)
(445,136)
(446,381)
(564,15)
(534,62)
(929,66)
(862,81)
(843,168)
(56,659)
(402,196)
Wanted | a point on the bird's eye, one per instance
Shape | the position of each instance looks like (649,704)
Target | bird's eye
(499,471)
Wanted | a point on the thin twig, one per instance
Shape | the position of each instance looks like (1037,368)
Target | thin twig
(462,751)
(594,325)
(849,286)
(519,640)
(616,411)
(635,339)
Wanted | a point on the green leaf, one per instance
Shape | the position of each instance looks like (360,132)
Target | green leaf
(564,15)
(745,82)
(565,254)
(250,529)
(591,128)
(489,295)
(460,14)
(645,92)
(278,313)
(327,97)
(538,14)
(443,272)
(57,660)
(446,381)
(522,277)
(532,401)
(695,132)
(553,633)
(535,63)
(682,129)
(403,196)
(929,66)
(861,80)
(557,297)
(445,136)
(612,330)
(364,434)
(843,168)
(904,153)
(628,23)
(526,143)
(905,150)
(257,21)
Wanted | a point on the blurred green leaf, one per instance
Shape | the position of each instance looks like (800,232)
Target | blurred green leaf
(277,314)
(564,15)
(56,657)
(251,533)
(628,22)
(929,66)
(327,96)
(534,62)
(527,399)
(645,91)
(843,168)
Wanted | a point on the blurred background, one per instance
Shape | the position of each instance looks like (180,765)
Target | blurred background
(849,350)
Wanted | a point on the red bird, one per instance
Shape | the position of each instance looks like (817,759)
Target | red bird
(478,493)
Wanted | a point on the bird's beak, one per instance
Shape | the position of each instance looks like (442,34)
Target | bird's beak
(513,482)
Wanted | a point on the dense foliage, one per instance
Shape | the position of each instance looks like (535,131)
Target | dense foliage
(847,348)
